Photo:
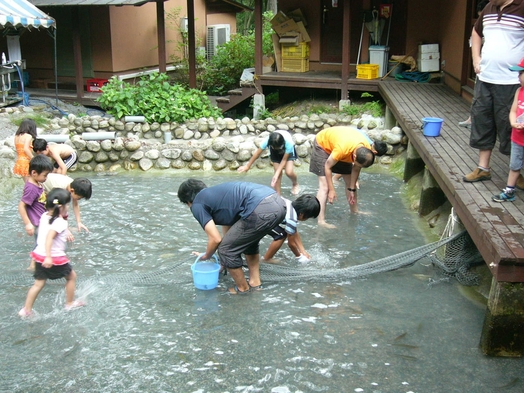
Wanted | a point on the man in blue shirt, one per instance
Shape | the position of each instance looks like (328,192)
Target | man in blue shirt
(246,211)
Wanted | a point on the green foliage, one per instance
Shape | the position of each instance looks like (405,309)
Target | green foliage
(222,73)
(272,99)
(373,108)
(225,68)
(156,99)
(41,119)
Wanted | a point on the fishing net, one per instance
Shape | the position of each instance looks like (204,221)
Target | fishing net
(452,257)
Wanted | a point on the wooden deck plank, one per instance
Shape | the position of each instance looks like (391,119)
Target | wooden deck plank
(494,227)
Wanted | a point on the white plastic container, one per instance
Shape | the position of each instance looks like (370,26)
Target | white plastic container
(98,136)
(379,54)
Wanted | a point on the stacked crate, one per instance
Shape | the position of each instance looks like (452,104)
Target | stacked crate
(295,58)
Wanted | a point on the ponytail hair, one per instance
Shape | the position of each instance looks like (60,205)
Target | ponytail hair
(56,198)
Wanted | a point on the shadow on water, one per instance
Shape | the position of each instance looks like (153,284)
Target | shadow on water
(389,332)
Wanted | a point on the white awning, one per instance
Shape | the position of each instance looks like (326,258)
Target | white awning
(21,13)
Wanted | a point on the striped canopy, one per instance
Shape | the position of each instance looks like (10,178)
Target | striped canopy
(21,13)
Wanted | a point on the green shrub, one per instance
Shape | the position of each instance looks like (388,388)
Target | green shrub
(223,71)
(156,99)
(373,108)
(225,68)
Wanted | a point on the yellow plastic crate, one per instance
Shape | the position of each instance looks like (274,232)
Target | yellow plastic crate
(295,65)
(295,52)
(367,71)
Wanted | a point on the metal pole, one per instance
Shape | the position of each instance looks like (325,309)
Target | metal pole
(56,69)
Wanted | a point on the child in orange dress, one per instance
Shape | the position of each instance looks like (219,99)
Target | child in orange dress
(24,137)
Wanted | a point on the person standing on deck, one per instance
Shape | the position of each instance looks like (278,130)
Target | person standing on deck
(501,26)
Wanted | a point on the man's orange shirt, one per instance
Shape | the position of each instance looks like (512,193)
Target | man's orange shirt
(341,142)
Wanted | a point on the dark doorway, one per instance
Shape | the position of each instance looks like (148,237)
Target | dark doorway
(332,13)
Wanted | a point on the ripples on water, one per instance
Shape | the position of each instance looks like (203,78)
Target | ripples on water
(385,333)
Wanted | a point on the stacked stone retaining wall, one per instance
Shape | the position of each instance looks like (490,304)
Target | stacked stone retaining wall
(204,144)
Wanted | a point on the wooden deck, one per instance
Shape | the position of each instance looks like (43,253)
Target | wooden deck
(496,228)
(317,80)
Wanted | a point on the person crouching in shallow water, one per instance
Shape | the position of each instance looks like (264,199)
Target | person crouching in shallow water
(246,211)
(342,150)
(303,208)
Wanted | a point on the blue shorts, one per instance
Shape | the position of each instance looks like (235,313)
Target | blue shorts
(517,157)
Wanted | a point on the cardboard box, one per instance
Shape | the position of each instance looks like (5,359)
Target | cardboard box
(428,48)
(284,27)
(303,32)
(429,65)
(297,16)
(279,18)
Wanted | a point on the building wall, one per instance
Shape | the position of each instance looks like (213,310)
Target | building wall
(453,37)
(441,22)
(101,42)
(137,48)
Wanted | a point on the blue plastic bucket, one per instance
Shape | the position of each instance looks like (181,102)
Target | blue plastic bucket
(205,274)
(431,126)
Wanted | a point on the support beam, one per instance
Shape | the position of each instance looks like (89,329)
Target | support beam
(77,54)
(161,35)
(414,163)
(258,43)
(346,39)
(191,43)
(504,322)
(431,196)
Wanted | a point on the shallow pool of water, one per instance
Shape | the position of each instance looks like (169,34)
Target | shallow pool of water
(146,328)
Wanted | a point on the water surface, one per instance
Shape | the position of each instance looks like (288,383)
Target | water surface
(147,329)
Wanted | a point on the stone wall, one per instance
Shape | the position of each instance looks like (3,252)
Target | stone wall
(204,144)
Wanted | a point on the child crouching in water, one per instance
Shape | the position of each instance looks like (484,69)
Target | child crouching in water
(51,260)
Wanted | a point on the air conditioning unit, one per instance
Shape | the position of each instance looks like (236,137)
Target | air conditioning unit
(216,35)
(183,25)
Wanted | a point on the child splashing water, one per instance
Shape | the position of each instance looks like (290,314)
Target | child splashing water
(51,260)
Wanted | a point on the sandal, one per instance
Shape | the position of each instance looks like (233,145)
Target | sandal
(236,291)
(255,288)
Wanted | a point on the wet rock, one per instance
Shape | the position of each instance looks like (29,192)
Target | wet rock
(145,164)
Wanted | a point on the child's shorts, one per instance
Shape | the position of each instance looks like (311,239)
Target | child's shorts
(516,160)
(55,272)
(69,161)
(278,233)
(275,156)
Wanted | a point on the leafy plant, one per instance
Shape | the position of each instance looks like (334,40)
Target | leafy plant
(156,99)
(374,108)
(222,73)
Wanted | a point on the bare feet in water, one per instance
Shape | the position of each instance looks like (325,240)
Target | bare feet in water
(326,225)
(295,189)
